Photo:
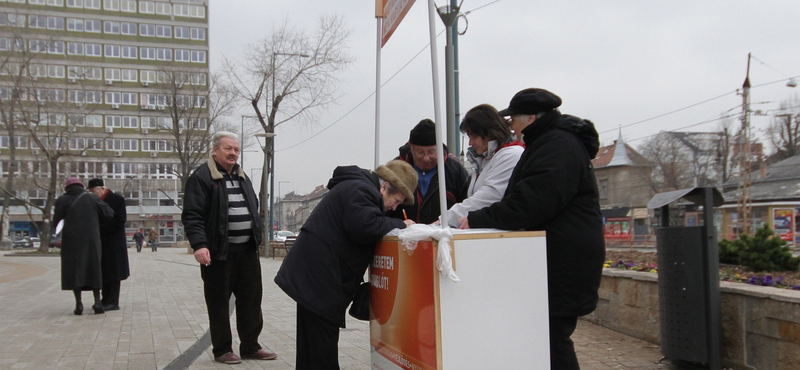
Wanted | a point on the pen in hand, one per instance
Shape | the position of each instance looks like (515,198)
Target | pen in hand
(405,216)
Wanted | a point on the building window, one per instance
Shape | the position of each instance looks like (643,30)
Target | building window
(113,97)
(127,28)
(91,4)
(111,27)
(113,144)
(94,50)
(182,55)
(181,10)
(56,47)
(129,99)
(113,121)
(164,31)
(112,51)
(94,120)
(147,30)
(130,144)
(198,56)
(130,122)
(147,7)
(75,3)
(92,25)
(603,188)
(147,53)
(111,4)
(163,8)
(112,74)
(55,23)
(128,52)
(164,54)
(74,24)
(95,97)
(75,48)
(55,71)
(37,21)
(127,6)
(55,2)
(182,32)
(198,33)
(129,75)
(197,11)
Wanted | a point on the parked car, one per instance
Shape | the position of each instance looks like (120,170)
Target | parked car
(55,241)
(281,236)
(23,242)
(36,242)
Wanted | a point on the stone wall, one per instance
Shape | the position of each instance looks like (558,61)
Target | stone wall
(760,325)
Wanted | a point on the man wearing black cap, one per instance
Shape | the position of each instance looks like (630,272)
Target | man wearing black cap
(420,152)
(114,244)
(553,188)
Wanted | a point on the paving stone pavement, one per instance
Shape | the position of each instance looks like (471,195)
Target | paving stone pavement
(163,315)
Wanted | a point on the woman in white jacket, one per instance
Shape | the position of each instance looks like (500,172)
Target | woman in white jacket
(493,153)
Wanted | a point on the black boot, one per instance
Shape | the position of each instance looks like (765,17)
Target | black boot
(78,304)
(98,304)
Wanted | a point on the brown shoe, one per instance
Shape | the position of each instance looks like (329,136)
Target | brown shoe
(229,358)
(261,354)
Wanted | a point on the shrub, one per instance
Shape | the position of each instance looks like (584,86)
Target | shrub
(762,252)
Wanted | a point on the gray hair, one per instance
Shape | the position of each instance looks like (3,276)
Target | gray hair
(391,189)
(217,138)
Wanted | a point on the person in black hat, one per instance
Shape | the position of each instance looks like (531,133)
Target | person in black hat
(420,152)
(553,188)
(114,244)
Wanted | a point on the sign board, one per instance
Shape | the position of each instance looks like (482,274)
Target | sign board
(393,12)
(783,223)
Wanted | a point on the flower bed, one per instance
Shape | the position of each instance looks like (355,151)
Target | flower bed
(647,262)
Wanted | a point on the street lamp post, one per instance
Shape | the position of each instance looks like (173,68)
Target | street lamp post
(269,140)
(280,200)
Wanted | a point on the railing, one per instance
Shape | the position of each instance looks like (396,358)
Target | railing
(630,241)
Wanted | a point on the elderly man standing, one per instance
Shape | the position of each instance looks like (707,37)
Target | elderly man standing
(114,259)
(420,152)
(220,219)
(553,188)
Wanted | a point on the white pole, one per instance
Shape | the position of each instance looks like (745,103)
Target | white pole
(378,94)
(437,113)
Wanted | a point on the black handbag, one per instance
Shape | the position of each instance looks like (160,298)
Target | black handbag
(360,306)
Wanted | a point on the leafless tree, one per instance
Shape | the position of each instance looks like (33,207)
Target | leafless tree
(290,75)
(673,162)
(784,131)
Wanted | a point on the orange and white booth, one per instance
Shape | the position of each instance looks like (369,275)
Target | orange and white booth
(490,314)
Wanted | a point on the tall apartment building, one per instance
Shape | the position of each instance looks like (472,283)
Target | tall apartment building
(115,89)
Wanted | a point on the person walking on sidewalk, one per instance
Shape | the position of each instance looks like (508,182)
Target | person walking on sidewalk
(114,244)
(138,238)
(152,239)
(80,241)
(221,222)
(553,188)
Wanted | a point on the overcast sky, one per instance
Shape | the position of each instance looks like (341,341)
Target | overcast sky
(616,63)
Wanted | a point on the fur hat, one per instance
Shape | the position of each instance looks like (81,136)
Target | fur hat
(96,182)
(423,134)
(401,176)
(73,181)
(531,101)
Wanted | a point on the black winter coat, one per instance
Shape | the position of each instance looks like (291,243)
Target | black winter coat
(336,244)
(205,209)
(114,242)
(80,238)
(553,188)
(426,209)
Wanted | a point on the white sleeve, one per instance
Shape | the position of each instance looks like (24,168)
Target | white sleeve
(490,186)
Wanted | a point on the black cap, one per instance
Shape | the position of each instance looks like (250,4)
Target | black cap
(95,182)
(423,134)
(531,101)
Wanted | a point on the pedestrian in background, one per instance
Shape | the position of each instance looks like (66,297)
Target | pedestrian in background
(553,188)
(328,260)
(493,152)
(114,244)
(81,268)
(138,238)
(220,218)
(152,239)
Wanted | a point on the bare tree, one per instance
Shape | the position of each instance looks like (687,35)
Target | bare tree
(784,131)
(673,163)
(724,151)
(196,106)
(290,74)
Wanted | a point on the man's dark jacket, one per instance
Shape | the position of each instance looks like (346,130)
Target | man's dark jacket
(205,209)
(336,244)
(113,240)
(553,188)
(426,208)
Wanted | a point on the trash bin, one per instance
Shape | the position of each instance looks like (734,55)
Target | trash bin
(688,282)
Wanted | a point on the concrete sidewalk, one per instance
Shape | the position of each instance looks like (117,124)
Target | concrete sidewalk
(163,322)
